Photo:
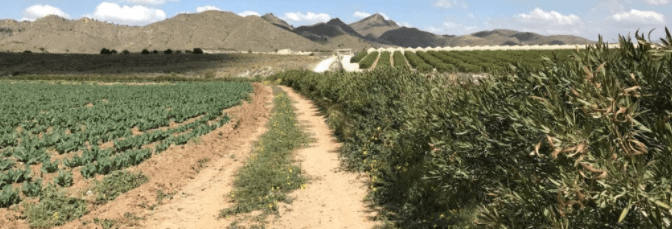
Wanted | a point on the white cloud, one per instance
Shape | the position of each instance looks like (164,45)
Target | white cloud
(384,16)
(308,17)
(149,2)
(360,14)
(636,16)
(542,17)
(405,24)
(206,8)
(248,13)
(449,3)
(658,2)
(128,15)
(38,11)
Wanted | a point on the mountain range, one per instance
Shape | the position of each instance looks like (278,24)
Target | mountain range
(220,30)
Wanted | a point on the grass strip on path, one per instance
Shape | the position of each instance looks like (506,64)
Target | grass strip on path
(271,173)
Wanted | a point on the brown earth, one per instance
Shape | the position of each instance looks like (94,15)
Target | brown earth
(178,171)
(333,198)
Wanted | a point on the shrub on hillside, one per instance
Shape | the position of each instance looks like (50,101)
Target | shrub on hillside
(155,51)
(369,60)
(126,52)
(558,147)
(27,52)
(145,52)
(359,56)
(168,51)
(113,51)
(198,51)
(178,51)
(105,51)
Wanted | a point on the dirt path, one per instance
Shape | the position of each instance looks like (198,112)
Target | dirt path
(200,201)
(333,198)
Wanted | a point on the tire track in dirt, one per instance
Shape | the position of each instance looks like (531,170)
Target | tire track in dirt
(333,198)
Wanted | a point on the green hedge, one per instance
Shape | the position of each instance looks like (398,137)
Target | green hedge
(399,59)
(437,63)
(359,56)
(417,62)
(384,60)
(584,143)
(369,60)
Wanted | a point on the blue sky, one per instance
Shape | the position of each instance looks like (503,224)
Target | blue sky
(586,18)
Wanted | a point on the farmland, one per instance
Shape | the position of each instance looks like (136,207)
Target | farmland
(52,132)
(210,65)
(482,61)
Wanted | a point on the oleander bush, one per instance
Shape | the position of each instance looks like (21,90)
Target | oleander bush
(580,143)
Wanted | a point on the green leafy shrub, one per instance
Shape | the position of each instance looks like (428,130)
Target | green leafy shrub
(145,52)
(168,51)
(437,63)
(32,189)
(384,60)
(113,52)
(359,56)
(155,51)
(6,164)
(64,178)
(9,196)
(399,59)
(556,147)
(367,62)
(50,167)
(417,62)
(198,51)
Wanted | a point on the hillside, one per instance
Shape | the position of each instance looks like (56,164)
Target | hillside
(412,37)
(373,26)
(325,31)
(208,30)
(277,21)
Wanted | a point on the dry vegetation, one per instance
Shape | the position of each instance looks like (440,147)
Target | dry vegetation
(210,65)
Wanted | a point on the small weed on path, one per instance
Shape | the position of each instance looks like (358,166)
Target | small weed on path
(270,172)
(54,209)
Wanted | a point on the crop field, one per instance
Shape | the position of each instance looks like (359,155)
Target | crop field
(478,61)
(50,132)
